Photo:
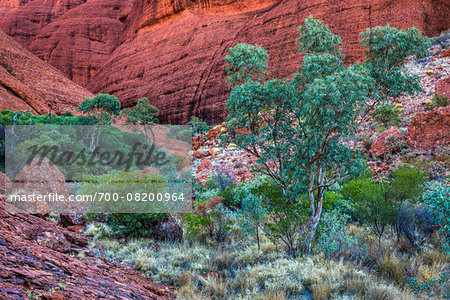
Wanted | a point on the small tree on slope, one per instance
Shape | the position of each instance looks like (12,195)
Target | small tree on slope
(297,127)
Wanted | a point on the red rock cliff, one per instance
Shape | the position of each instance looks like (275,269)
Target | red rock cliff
(173,51)
(22,19)
(28,83)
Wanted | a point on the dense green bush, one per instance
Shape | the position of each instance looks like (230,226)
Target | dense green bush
(211,220)
(371,203)
(198,125)
(332,237)
(386,115)
(134,225)
(437,196)
(102,107)
(407,184)
(126,218)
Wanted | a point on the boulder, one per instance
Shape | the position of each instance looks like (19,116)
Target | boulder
(173,52)
(198,154)
(39,256)
(204,165)
(214,133)
(72,219)
(387,142)
(429,130)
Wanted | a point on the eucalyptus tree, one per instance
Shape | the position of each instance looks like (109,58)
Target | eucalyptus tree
(297,127)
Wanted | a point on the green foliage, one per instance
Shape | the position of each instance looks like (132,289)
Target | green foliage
(215,222)
(102,107)
(371,203)
(252,213)
(134,225)
(437,101)
(123,223)
(428,287)
(284,220)
(437,197)
(142,114)
(386,49)
(198,125)
(407,184)
(297,127)
(386,115)
(333,238)
(246,62)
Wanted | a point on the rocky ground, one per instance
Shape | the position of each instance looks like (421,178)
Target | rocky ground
(40,259)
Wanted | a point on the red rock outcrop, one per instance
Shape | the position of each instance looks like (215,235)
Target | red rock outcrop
(28,83)
(7,6)
(443,87)
(386,142)
(24,18)
(173,52)
(429,130)
(38,258)
(79,42)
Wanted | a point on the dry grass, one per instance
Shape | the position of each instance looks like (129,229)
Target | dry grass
(390,267)
(244,272)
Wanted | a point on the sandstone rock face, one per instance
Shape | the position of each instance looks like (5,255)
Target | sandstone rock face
(79,42)
(7,6)
(386,142)
(443,87)
(430,130)
(39,256)
(28,83)
(24,18)
(173,52)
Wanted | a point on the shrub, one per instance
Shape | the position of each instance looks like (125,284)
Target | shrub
(198,125)
(252,216)
(285,221)
(333,238)
(437,101)
(437,197)
(429,287)
(414,223)
(386,115)
(210,220)
(407,184)
(135,224)
(102,107)
(371,203)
